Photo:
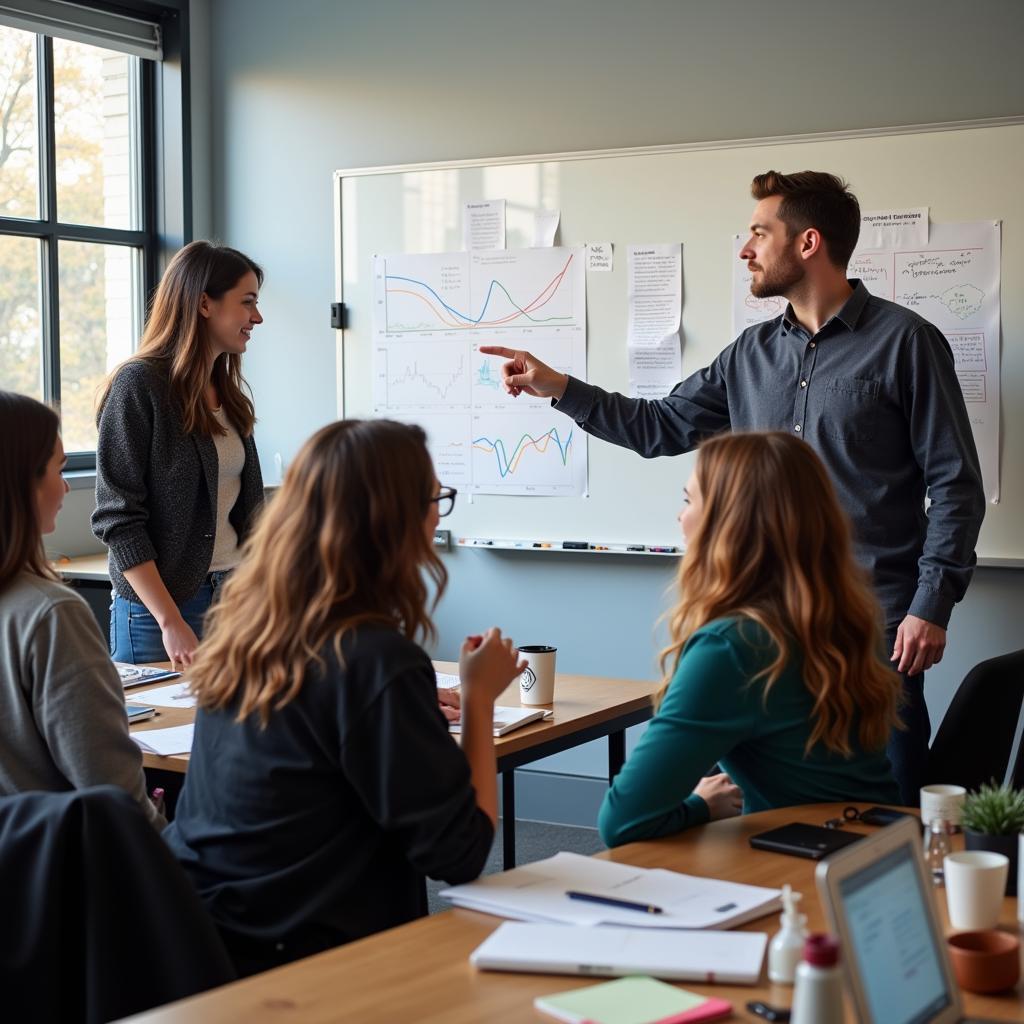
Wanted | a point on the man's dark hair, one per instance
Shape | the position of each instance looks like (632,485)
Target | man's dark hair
(815,199)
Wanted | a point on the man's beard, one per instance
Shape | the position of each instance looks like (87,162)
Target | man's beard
(787,272)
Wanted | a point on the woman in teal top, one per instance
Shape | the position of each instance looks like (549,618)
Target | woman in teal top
(774,668)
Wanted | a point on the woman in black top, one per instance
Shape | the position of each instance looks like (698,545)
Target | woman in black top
(177,474)
(323,784)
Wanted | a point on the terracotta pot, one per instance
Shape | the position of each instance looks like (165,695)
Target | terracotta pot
(985,961)
(1006,845)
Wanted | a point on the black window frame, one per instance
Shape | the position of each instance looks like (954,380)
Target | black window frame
(165,180)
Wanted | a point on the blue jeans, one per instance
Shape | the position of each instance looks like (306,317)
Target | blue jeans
(134,634)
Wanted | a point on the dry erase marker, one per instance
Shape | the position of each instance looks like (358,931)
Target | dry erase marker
(575,545)
(664,551)
(635,547)
(610,901)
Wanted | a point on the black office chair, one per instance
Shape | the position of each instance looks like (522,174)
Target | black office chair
(100,921)
(974,743)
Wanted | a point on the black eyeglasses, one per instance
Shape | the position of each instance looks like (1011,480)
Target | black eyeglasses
(445,499)
(849,814)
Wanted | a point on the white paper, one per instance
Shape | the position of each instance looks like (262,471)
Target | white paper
(954,282)
(431,315)
(600,257)
(655,292)
(656,369)
(174,696)
(483,225)
(505,717)
(175,740)
(446,681)
(544,228)
(747,310)
(537,892)
(894,229)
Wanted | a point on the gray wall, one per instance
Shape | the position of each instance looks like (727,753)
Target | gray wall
(300,89)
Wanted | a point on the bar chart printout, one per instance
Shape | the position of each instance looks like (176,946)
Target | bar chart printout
(432,312)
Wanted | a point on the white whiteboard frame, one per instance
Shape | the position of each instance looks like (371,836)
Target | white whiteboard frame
(341,175)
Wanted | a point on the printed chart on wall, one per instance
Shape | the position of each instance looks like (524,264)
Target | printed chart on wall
(432,312)
(953,282)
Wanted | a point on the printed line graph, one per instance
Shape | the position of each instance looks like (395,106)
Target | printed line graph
(517,291)
(434,376)
(520,452)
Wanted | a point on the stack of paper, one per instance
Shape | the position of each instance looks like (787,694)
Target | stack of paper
(174,696)
(538,892)
(733,958)
(507,719)
(175,740)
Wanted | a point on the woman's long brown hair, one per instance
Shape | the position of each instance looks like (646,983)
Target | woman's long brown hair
(343,543)
(773,545)
(28,436)
(175,337)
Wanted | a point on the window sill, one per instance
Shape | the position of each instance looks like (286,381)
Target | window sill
(81,479)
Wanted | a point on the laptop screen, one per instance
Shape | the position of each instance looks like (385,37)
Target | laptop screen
(894,950)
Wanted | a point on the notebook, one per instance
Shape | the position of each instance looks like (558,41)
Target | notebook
(140,675)
(632,1001)
(139,712)
(507,719)
(538,892)
(732,958)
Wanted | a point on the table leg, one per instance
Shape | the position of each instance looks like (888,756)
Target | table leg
(616,753)
(508,818)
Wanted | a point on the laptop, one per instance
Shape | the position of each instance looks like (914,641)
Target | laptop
(880,903)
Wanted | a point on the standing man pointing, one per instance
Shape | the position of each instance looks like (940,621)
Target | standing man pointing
(868,384)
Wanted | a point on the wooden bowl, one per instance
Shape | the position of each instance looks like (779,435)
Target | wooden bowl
(987,961)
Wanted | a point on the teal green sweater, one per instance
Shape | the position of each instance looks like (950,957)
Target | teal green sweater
(712,712)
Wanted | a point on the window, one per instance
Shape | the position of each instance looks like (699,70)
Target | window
(80,236)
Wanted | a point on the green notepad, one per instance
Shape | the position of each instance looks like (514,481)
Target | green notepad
(636,1000)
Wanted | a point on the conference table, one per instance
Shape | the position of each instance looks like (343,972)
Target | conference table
(421,971)
(585,708)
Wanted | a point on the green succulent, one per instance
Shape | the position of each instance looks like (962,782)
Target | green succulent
(994,810)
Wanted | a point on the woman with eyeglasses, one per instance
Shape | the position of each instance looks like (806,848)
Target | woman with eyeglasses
(324,785)
(178,479)
(775,666)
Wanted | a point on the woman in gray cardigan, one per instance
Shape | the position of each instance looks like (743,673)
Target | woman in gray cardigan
(177,475)
(61,701)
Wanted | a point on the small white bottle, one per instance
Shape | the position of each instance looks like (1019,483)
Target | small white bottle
(818,996)
(787,945)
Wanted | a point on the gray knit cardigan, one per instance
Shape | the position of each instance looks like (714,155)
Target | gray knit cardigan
(156,486)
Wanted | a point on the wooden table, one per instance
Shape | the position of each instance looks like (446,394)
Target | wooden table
(92,568)
(585,708)
(421,972)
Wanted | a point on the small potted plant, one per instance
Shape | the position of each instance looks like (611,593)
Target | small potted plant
(992,819)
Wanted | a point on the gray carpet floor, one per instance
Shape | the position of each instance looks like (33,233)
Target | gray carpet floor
(535,840)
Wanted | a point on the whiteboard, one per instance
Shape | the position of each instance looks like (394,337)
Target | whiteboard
(699,195)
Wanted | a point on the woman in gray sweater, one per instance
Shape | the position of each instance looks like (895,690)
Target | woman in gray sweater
(177,475)
(61,704)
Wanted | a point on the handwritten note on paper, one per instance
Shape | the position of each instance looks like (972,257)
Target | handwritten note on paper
(655,292)
(483,225)
(894,229)
(600,257)
(654,370)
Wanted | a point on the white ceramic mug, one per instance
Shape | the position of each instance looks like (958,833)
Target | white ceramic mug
(942,803)
(975,885)
(537,683)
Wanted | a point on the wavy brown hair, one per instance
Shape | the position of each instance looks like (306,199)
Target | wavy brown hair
(28,435)
(342,544)
(773,546)
(175,337)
